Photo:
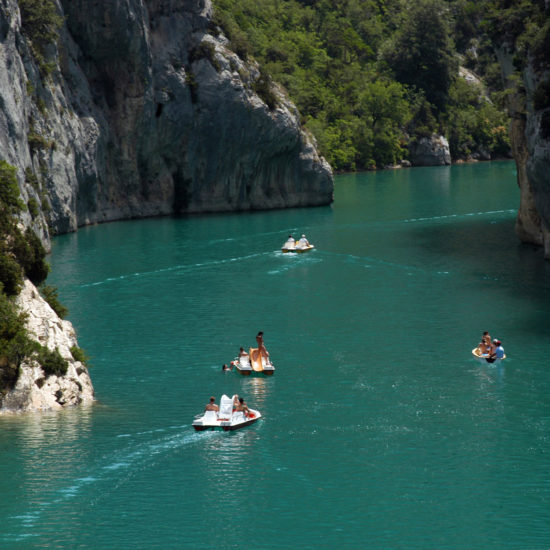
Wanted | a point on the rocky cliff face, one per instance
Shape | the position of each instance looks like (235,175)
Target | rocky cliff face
(139,109)
(530,138)
(147,112)
(34,391)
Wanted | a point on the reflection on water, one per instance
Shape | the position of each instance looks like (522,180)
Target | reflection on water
(259,389)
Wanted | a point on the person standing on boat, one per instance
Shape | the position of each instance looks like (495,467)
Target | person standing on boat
(261,346)
(211,406)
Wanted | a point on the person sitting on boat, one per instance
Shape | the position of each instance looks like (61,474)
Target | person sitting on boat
(483,347)
(261,346)
(290,243)
(303,241)
(242,353)
(211,406)
(242,407)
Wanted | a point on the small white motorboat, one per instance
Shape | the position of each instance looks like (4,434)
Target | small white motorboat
(485,359)
(253,364)
(226,418)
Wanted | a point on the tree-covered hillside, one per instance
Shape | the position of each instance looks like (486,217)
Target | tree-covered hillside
(371,76)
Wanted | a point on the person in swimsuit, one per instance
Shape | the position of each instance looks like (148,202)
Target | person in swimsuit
(242,407)
(211,406)
(261,346)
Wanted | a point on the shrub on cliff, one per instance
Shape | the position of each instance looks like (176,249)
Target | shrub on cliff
(40,22)
(20,254)
(15,246)
(15,344)
(49,293)
(51,362)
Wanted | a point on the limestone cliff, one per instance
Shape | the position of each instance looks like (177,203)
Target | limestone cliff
(523,137)
(34,391)
(147,112)
(522,40)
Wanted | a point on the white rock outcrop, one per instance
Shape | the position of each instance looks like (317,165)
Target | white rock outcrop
(34,391)
(430,151)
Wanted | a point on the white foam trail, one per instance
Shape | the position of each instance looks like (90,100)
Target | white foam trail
(451,216)
(117,471)
(183,267)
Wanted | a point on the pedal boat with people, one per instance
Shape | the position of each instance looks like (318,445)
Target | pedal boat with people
(484,358)
(226,418)
(295,246)
(300,249)
(253,364)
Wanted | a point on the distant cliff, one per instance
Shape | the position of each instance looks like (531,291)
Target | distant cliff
(140,109)
(521,35)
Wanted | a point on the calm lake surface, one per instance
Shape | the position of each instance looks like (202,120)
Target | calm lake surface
(380,431)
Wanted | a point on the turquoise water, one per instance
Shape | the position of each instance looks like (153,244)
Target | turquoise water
(379,430)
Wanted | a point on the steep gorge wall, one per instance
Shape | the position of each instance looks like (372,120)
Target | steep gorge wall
(147,113)
(530,138)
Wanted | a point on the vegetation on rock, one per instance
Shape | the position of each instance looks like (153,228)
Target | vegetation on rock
(21,255)
(41,23)
(368,76)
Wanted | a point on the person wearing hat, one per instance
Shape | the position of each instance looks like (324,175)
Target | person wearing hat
(497,351)
(303,241)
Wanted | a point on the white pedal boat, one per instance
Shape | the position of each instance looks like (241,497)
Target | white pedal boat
(253,364)
(225,419)
(484,359)
(296,247)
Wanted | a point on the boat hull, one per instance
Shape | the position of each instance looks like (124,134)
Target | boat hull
(298,250)
(226,425)
(251,366)
(228,428)
(268,371)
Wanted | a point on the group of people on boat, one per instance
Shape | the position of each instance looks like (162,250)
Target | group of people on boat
(292,244)
(238,402)
(239,405)
(490,349)
(261,349)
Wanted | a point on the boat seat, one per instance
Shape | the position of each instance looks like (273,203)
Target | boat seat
(210,416)
(226,407)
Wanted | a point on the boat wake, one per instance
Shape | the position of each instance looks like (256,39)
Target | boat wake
(110,474)
(182,268)
(455,216)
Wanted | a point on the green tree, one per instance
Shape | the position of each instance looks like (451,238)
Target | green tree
(421,53)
